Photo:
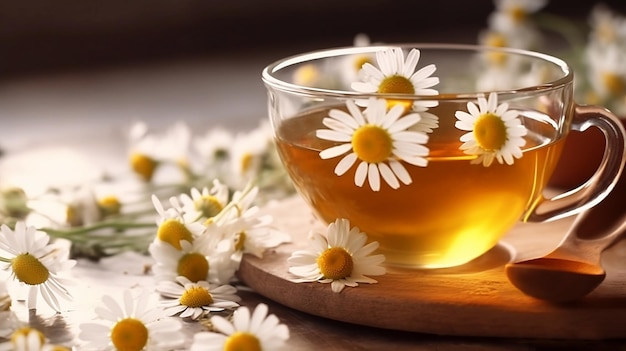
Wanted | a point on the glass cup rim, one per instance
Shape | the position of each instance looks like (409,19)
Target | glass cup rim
(269,78)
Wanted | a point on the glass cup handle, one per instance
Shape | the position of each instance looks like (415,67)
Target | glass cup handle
(596,188)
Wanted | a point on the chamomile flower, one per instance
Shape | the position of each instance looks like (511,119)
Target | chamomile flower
(85,207)
(245,229)
(607,27)
(525,37)
(511,14)
(206,203)
(258,331)
(607,73)
(397,76)
(30,339)
(341,259)
(214,145)
(173,227)
(379,140)
(132,325)
(495,131)
(248,152)
(194,300)
(197,260)
(147,152)
(32,260)
(350,67)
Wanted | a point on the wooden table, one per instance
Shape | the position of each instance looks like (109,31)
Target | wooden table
(107,100)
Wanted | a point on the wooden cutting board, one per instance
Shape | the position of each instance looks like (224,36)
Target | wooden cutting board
(473,300)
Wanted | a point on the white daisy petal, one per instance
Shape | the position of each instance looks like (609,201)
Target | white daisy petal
(416,161)
(404,122)
(411,137)
(423,74)
(363,87)
(373,176)
(388,176)
(344,165)
(360,174)
(339,126)
(372,71)
(473,109)
(400,172)
(411,62)
(344,117)
(335,151)
(337,286)
(355,112)
(332,135)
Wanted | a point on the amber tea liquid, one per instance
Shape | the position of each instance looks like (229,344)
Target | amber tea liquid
(453,211)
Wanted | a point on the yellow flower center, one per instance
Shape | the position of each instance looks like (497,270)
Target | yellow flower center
(23,333)
(193,266)
(59,348)
(173,231)
(614,83)
(109,205)
(28,269)
(306,75)
(397,85)
(359,61)
(240,241)
(209,205)
(242,341)
(143,165)
(490,132)
(335,263)
(246,160)
(73,216)
(129,334)
(196,297)
(518,14)
(372,143)
(497,40)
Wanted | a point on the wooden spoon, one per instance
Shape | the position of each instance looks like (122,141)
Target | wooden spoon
(573,269)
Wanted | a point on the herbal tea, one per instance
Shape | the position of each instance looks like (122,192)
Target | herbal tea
(452,212)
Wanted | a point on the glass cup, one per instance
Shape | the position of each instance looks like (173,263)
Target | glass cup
(434,150)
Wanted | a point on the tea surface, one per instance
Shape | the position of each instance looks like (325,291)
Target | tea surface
(453,210)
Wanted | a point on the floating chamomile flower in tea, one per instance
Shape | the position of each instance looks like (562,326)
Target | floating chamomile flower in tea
(494,131)
(397,76)
(378,139)
(341,258)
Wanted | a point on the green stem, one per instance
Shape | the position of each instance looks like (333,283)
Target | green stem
(102,225)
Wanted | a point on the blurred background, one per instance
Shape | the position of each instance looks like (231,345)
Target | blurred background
(38,36)
(77,61)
